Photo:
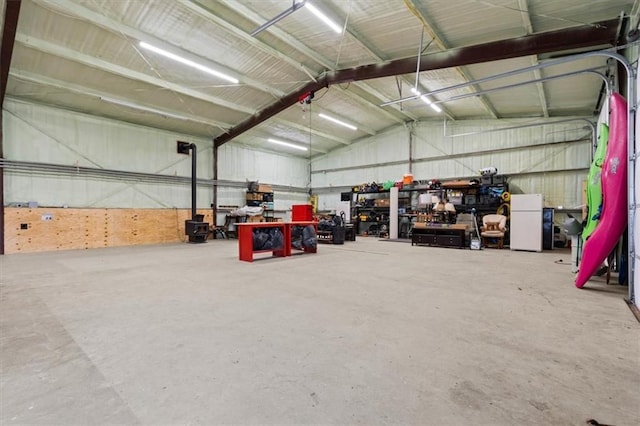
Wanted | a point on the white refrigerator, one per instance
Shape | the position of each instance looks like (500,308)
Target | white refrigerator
(525,231)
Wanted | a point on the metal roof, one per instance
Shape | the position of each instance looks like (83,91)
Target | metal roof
(85,56)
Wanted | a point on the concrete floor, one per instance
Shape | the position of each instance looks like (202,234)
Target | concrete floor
(369,332)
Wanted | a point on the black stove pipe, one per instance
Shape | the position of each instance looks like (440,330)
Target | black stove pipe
(194,162)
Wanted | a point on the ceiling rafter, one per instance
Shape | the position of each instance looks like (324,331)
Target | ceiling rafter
(590,35)
(117,27)
(324,62)
(372,106)
(86,91)
(266,48)
(100,64)
(237,32)
(366,129)
(305,128)
(313,56)
(241,9)
(362,41)
(75,9)
(438,39)
(259,142)
(523,5)
(69,7)
(73,55)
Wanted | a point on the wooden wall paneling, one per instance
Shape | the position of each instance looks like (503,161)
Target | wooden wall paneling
(121,227)
(64,229)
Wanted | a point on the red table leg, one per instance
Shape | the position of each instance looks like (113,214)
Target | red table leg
(245,243)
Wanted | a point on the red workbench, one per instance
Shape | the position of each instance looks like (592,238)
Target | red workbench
(245,238)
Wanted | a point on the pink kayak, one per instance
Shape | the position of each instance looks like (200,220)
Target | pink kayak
(613,219)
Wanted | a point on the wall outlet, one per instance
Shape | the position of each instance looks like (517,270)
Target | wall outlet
(47,217)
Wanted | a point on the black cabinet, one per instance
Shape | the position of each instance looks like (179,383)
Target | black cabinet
(441,236)
(424,238)
(450,240)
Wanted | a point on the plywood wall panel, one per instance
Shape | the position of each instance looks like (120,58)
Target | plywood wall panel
(48,229)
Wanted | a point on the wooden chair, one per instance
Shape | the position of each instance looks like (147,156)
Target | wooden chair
(493,228)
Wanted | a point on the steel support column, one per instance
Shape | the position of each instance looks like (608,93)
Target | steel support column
(11,14)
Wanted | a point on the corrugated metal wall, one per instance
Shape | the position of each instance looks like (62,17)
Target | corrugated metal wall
(44,135)
(241,164)
(634,55)
(61,158)
(551,159)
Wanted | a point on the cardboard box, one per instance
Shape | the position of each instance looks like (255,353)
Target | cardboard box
(382,202)
(264,188)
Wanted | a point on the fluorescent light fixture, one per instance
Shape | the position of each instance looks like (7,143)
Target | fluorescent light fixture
(142,108)
(433,106)
(277,18)
(287,144)
(324,18)
(335,120)
(187,62)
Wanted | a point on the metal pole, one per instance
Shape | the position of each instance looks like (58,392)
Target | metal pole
(8,36)
(519,71)
(539,80)
(410,128)
(522,126)
(586,71)
(631,172)
(194,162)
(214,205)
(418,61)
